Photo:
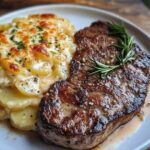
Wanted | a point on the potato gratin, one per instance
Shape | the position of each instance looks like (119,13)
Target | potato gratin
(34,53)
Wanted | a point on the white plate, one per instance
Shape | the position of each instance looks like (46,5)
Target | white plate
(80,16)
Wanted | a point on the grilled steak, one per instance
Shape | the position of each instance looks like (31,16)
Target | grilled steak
(85,109)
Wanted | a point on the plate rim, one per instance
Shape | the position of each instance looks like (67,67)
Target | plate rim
(85,7)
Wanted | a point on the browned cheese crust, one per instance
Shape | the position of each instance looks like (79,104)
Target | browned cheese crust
(83,110)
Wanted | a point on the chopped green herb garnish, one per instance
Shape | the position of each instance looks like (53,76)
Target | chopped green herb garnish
(8,54)
(13,31)
(39,28)
(42,40)
(20,44)
(12,38)
(35,79)
(33,40)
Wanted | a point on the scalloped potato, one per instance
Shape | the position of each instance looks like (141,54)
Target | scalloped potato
(24,119)
(35,51)
(12,99)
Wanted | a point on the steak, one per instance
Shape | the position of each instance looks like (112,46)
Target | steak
(82,111)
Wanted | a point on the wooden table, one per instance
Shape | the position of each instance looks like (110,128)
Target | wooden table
(133,10)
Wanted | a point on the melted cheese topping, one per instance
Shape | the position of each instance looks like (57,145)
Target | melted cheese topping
(34,48)
(34,53)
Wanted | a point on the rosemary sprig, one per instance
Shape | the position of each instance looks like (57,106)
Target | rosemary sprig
(125,42)
(101,68)
(125,46)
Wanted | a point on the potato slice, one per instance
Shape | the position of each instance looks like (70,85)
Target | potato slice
(12,99)
(29,86)
(24,119)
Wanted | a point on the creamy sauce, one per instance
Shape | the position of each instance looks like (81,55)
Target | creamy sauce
(127,130)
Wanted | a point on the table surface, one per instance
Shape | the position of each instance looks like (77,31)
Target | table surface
(134,10)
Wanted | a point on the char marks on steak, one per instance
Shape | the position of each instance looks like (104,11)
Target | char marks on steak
(83,110)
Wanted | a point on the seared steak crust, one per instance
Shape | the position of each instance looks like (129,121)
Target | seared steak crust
(83,110)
